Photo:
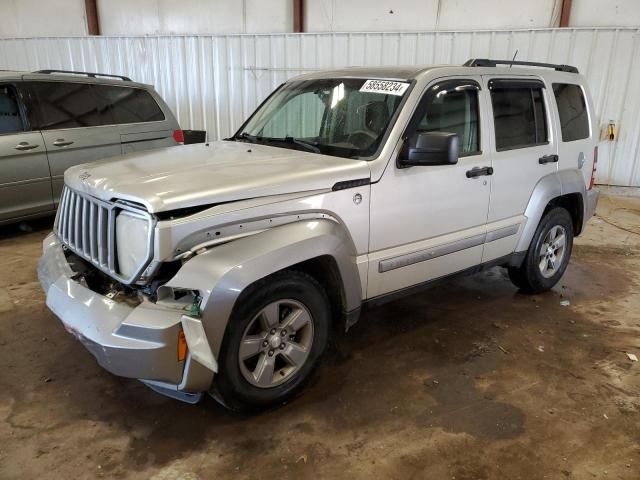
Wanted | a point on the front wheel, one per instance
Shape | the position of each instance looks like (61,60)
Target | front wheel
(274,341)
(548,254)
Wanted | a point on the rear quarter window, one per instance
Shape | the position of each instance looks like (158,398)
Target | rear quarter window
(129,105)
(572,108)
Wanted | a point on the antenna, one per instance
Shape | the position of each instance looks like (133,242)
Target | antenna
(514,58)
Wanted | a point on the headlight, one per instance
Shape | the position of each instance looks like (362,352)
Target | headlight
(132,242)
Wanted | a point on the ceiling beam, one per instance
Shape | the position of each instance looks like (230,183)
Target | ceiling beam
(566,13)
(93,24)
(298,16)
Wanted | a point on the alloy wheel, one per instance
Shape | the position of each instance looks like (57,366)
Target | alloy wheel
(276,343)
(552,251)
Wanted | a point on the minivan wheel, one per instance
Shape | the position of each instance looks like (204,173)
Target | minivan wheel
(548,254)
(274,341)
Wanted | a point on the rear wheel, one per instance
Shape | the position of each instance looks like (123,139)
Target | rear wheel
(548,254)
(274,341)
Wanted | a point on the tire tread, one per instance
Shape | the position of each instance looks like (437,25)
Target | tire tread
(527,277)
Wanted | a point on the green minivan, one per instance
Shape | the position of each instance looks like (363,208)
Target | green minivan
(51,120)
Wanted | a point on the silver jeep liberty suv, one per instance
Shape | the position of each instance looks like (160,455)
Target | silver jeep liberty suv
(220,267)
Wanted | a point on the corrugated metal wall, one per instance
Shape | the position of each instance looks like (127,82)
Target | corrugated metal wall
(214,82)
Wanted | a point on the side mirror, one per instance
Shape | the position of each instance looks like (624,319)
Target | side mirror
(430,148)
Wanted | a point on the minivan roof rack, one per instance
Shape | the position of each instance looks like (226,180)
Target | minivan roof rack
(88,74)
(486,62)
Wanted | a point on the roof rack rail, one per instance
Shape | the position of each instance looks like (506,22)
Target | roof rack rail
(88,74)
(486,62)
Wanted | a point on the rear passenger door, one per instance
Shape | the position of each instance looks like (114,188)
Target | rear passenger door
(141,122)
(77,126)
(25,183)
(523,151)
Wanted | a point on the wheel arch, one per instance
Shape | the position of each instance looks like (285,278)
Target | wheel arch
(574,204)
(321,248)
(326,271)
(560,189)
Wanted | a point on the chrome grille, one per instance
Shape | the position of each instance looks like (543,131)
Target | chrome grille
(86,225)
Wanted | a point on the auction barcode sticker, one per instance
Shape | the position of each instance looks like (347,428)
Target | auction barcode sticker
(387,87)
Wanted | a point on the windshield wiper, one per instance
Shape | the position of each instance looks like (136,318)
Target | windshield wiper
(247,136)
(309,146)
(303,143)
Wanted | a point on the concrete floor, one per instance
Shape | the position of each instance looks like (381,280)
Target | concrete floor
(470,380)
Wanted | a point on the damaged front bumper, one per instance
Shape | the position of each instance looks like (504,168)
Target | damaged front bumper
(130,341)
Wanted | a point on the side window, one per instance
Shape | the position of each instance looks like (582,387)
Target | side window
(10,120)
(574,119)
(69,105)
(129,105)
(452,107)
(519,116)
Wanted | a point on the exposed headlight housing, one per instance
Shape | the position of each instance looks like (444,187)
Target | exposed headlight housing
(132,242)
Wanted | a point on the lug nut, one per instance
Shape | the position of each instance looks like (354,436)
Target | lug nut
(265,343)
(271,353)
(283,333)
(282,345)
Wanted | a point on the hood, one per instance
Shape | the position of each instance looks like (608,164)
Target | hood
(192,175)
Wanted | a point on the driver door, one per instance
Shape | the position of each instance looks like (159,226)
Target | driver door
(430,221)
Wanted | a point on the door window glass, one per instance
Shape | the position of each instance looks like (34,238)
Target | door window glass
(69,105)
(453,108)
(519,117)
(129,105)
(574,119)
(10,120)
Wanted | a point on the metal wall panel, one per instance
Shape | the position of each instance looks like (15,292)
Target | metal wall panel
(214,82)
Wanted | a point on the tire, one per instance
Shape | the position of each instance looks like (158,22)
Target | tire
(260,369)
(535,276)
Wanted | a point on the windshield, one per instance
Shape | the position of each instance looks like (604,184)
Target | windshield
(340,117)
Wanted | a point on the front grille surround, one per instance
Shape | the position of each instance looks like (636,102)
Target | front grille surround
(87,226)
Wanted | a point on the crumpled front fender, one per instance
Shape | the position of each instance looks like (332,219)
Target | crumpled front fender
(223,272)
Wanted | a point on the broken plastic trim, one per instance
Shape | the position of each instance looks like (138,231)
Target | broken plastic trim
(187,211)
(191,398)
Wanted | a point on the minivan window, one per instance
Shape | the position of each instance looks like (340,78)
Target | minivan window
(10,120)
(453,109)
(74,105)
(574,119)
(69,105)
(519,117)
(129,105)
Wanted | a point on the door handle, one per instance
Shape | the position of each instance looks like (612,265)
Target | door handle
(61,142)
(548,159)
(477,172)
(25,146)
